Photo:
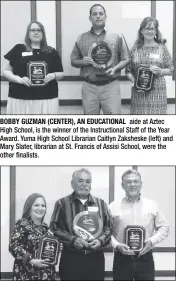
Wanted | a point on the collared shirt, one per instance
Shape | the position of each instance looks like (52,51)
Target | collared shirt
(143,212)
(116,42)
(68,207)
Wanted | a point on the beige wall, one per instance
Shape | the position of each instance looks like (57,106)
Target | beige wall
(15,16)
(72,90)
(164,8)
(6,257)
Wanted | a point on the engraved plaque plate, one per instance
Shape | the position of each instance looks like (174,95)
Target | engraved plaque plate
(37,71)
(135,237)
(87,225)
(49,248)
(102,55)
(144,80)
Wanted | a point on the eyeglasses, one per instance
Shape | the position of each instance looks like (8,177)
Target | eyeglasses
(35,30)
(150,29)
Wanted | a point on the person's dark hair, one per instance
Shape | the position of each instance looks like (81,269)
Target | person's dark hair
(43,45)
(83,170)
(140,38)
(129,172)
(28,204)
(95,6)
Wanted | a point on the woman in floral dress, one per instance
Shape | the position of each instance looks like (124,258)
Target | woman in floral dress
(24,242)
(150,50)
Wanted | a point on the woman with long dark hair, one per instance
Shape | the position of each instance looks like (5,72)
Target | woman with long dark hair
(26,97)
(150,50)
(24,242)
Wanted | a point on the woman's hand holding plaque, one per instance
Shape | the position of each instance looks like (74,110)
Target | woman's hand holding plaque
(49,77)
(25,81)
(39,263)
(156,70)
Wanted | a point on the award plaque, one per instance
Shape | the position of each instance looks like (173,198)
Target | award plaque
(49,248)
(102,55)
(135,237)
(144,80)
(87,225)
(37,71)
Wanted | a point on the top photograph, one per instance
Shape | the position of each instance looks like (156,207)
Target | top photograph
(88,57)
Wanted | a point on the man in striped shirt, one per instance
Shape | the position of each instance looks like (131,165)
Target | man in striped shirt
(101,88)
(80,260)
(135,210)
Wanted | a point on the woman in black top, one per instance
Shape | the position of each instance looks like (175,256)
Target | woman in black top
(24,98)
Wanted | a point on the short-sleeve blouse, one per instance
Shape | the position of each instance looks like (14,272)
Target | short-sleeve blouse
(18,58)
(149,55)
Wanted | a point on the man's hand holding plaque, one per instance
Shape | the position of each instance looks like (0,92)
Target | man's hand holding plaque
(95,244)
(80,243)
(124,249)
(147,247)
(111,71)
(87,61)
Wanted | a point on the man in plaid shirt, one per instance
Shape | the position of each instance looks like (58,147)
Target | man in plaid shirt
(100,91)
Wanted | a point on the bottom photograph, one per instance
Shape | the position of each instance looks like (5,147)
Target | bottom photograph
(88,222)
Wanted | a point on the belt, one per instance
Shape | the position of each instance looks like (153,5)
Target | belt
(134,257)
(100,83)
(85,252)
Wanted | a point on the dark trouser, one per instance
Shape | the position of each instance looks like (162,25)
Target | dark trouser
(75,265)
(132,268)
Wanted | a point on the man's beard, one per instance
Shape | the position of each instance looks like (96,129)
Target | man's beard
(100,25)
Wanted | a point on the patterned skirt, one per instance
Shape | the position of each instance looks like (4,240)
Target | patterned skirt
(150,102)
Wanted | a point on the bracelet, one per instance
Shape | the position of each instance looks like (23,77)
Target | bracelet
(54,75)
(161,72)
(73,241)
(99,241)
